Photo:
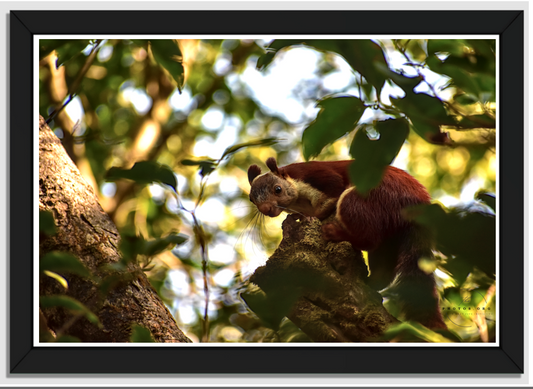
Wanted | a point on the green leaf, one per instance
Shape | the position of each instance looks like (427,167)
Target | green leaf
(367,58)
(201,162)
(427,114)
(477,121)
(191,263)
(68,339)
(145,172)
(404,82)
(70,304)
(140,334)
(337,117)
(466,236)
(206,165)
(259,142)
(373,156)
(413,332)
(271,298)
(362,55)
(214,266)
(210,164)
(62,262)
(132,246)
(156,246)
(269,309)
(469,63)
(114,280)
(465,99)
(277,45)
(483,47)
(459,76)
(47,223)
(452,46)
(57,277)
(69,50)
(168,54)
(470,72)
(289,332)
(265,60)
(46,46)
(488,199)
(368,91)
(65,48)
(416,48)
(140,42)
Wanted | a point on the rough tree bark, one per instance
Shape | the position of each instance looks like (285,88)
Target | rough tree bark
(320,286)
(87,232)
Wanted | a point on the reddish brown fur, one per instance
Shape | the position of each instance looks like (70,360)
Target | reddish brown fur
(373,223)
(369,220)
(329,177)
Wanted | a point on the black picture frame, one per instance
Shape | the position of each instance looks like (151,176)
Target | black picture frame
(508,358)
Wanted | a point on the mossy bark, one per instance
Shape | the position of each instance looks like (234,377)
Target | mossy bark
(320,286)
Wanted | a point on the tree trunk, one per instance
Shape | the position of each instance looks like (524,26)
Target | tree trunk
(87,232)
(320,286)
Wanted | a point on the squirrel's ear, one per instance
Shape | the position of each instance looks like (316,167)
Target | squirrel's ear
(272,165)
(253,171)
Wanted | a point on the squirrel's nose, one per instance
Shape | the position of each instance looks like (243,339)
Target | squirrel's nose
(266,209)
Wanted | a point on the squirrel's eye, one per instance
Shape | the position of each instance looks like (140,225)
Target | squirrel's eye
(277,189)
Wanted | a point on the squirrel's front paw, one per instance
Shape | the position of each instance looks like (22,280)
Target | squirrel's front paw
(330,232)
(333,232)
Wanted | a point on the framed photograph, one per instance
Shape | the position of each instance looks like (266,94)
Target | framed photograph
(303,188)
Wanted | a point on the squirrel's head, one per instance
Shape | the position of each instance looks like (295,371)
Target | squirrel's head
(270,192)
(254,170)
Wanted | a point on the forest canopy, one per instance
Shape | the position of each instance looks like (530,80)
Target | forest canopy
(164,132)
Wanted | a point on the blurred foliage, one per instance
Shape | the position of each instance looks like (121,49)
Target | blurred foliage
(140,110)
(414,332)
(56,261)
(47,224)
(145,172)
(141,334)
(70,304)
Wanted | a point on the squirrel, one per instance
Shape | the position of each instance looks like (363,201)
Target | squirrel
(373,223)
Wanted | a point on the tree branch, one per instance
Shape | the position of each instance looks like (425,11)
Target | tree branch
(326,281)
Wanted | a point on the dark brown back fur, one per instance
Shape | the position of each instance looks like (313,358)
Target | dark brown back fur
(329,177)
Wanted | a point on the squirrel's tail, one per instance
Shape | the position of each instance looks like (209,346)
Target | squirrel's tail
(414,289)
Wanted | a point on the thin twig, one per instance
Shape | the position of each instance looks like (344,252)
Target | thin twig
(451,106)
(200,237)
(203,247)
(68,324)
(403,52)
(73,89)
